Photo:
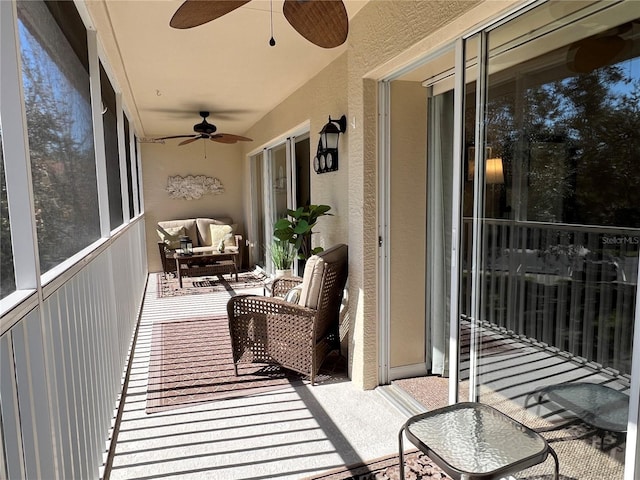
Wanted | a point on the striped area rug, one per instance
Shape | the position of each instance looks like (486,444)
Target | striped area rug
(191,363)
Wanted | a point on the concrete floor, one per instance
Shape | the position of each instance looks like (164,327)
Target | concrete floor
(288,434)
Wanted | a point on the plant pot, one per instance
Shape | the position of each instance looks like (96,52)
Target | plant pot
(283,273)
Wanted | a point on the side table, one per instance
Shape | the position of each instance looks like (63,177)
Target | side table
(472,440)
(602,407)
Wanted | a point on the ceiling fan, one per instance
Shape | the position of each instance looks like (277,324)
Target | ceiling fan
(206,130)
(323,22)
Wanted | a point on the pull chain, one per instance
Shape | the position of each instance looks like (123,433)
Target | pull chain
(272,41)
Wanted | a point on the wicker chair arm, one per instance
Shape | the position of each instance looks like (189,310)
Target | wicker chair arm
(282,285)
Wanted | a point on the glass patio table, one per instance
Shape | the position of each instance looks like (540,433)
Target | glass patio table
(472,440)
(595,404)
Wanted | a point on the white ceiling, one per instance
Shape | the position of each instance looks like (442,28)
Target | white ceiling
(225,66)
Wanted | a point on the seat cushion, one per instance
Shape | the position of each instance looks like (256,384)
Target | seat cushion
(189,227)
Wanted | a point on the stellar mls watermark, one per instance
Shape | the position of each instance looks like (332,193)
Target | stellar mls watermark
(621,240)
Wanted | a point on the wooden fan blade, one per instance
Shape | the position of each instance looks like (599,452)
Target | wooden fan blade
(190,140)
(323,22)
(229,138)
(223,140)
(174,136)
(198,12)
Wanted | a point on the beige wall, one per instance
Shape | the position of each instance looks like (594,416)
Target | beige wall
(160,161)
(408,222)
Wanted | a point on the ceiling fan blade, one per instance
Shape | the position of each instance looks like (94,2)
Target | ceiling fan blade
(323,22)
(198,12)
(229,138)
(185,142)
(174,136)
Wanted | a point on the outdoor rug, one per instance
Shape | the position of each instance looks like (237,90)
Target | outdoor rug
(417,466)
(168,284)
(191,363)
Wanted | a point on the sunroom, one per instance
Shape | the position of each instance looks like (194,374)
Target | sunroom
(486,187)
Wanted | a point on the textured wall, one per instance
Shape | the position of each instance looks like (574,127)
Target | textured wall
(383,36)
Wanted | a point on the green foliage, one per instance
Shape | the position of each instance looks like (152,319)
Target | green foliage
(282,254)
(297,228)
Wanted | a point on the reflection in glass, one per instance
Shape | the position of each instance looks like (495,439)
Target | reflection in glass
(7,276)
(58,109)
(112,149)
(560,239)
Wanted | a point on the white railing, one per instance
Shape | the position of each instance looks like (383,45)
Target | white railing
(62,364)
(567,286)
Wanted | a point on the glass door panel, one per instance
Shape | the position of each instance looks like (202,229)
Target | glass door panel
(557,220)
(257,242)
(279,182)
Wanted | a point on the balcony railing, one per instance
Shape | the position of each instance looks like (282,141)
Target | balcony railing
(569,287)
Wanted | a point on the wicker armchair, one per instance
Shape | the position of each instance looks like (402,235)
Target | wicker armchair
(297,336)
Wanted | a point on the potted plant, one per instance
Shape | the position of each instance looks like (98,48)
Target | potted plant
(296,228)
(282,256)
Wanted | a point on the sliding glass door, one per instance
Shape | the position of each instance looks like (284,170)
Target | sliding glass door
(532,226)
(279,181)
(552,222)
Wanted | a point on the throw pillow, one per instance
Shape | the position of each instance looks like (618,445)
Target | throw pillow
(171,236)
(293,295)
(312,281)
(220,232)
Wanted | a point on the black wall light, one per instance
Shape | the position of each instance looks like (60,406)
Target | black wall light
(326,160)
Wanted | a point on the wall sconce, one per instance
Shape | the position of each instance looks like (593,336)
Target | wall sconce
(494,173)
(326,159)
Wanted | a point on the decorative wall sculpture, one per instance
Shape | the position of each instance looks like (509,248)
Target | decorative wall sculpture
(192,187)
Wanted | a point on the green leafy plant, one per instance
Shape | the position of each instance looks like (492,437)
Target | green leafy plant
(282,254)
(296,228)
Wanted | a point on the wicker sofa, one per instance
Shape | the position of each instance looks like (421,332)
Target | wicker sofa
(204,233)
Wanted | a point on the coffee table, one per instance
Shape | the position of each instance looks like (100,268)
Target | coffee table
(206,263)
(472,440)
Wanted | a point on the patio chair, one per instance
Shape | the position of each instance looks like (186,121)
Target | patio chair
(297,336)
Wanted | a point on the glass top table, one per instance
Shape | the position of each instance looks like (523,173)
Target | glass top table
(475,441)
(597,405)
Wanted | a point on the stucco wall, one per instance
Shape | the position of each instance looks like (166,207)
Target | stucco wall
(159,161)
(384,36)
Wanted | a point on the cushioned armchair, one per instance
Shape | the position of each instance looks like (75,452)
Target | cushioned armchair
(296,335)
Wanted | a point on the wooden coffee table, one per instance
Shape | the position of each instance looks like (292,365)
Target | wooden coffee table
(207,263)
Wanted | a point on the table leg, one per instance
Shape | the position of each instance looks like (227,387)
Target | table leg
(179,273)
(401,454)
(557,462)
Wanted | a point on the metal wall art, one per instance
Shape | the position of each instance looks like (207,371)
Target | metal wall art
(192,187)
